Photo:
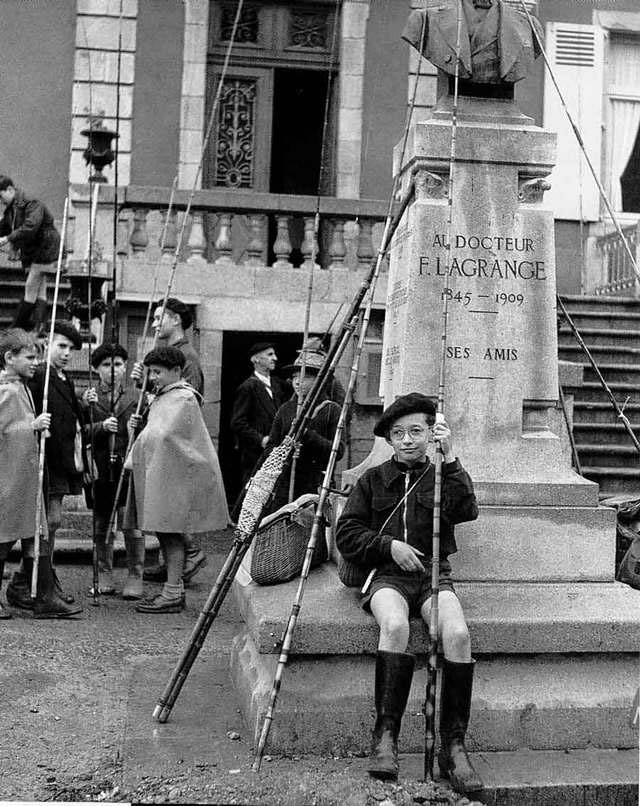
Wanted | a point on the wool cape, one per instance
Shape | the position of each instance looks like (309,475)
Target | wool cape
(18,461)
(177,482)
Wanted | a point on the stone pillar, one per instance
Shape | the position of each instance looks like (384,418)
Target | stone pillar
(192,103)
(501,368)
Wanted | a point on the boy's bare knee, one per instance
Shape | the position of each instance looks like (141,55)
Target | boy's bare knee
(394,633)
(456,642)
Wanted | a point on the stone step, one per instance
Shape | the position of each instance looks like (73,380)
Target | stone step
(575,303)
(623,456)
(622,319)
(540,702)
(550,778)
(613,373)
(600,336)
(592,392)
(71,545)
(603,412)
(614,479)
(603,433)
(602,354)
(514,618)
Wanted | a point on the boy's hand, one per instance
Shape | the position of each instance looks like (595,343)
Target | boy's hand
(406,556)
(90,396)
(42,422)
(135,422)
(137,373)
(442,434)
(111,424)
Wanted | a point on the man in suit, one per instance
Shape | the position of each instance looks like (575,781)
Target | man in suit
(257,400)
(497,43)
(63,451)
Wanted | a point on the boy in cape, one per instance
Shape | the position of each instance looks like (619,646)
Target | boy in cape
(176,485)
(19,455)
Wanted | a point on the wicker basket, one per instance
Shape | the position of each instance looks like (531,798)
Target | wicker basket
(279,547)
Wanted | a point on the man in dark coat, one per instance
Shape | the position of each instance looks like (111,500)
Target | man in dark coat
(28,227)
(318,437)
(64,452)
(497,43)
(387,524)
(257,400)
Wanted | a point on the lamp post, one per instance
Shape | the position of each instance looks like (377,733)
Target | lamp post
(98,152)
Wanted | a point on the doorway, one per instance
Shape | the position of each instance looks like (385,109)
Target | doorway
(236,367)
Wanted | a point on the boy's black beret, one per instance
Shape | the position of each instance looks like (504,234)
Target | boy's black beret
(413,403)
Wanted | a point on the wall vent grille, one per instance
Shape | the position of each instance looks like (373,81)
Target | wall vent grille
(575,48)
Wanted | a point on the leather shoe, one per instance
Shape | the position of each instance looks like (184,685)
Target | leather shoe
(192,564)
(160,604)
(4,613)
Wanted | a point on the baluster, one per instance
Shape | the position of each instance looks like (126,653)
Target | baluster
(282,244)
(309,247)
(196,244)
(255,245)
(365,251)
(139,239)
(223,241)
(337,247)
(171,234)
(122,236)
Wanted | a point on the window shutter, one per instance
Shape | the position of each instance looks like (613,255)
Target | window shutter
(576,56)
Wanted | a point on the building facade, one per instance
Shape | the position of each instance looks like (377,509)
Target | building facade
(315,98)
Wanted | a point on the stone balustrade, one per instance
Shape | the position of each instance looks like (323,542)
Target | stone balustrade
(618,276)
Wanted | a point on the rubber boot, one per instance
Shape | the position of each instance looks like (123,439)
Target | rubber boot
(134,542)
(48,602)
(19,589)
(22,317)
(455,706)
(4,613)
(394,671)
(40,311)
(104,549)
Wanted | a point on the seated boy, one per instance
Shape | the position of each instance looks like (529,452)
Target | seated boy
(387,524)
(176,482)
(107,409)
(19,457)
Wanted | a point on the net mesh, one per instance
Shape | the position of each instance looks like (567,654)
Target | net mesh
(261,486)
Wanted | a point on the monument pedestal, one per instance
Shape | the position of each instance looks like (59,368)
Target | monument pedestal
(556,638)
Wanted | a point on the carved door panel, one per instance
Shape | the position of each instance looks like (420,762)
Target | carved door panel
(239,151)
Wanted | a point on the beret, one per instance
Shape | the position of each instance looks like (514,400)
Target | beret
(413,403)
(64,328)
(259,347)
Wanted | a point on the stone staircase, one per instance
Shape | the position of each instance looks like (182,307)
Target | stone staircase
(12,277)
(610,327)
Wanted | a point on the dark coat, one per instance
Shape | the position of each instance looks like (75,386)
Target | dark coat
(373,498)
(253,413)
(66,411)
(125,404)
(30,229)
(516,44)
(192,371)
(314,451)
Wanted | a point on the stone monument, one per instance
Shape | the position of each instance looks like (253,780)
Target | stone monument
(556,638)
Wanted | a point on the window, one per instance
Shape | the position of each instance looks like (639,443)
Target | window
(623,125)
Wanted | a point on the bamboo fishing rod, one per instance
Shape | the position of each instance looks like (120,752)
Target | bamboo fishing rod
(178,248)
(316,235)
(41,518)
(432,664)
(263,483)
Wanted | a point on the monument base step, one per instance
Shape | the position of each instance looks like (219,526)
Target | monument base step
(550,778)
(325,704)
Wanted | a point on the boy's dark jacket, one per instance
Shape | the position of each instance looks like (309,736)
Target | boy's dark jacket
(65,410)
(30,228)
(125,404)
(376,493)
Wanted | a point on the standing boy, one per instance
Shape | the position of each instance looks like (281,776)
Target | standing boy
(107,409)
(19,427)
(387,524)
(176,483)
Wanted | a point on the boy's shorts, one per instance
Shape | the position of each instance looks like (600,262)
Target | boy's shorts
(414,587)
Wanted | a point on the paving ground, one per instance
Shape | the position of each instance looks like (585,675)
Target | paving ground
(77,698)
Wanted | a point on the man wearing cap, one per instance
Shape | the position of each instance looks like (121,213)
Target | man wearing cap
(257,400)
(317,439)
(387,524)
